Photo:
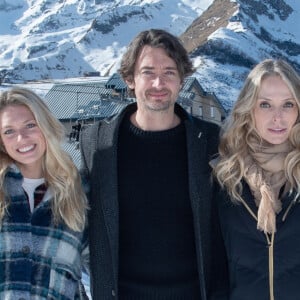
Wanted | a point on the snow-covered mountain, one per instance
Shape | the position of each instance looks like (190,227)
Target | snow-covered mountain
(43,39)
(232,36)
(58,39)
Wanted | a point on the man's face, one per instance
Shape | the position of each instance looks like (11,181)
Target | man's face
(156,80)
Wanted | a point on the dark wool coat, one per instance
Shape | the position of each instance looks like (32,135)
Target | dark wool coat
(99,166)
(249,252)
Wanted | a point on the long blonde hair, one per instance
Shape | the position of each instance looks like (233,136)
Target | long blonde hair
(61,175)
(239,129)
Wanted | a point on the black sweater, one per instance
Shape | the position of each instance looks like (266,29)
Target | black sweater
(157,249)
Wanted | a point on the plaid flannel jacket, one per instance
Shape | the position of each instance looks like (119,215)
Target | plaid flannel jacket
(38,260)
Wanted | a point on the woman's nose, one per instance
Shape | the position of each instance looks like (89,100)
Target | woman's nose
(277,114)
(22,134)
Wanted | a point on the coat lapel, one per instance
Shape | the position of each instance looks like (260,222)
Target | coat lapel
(199,180)
(107,185)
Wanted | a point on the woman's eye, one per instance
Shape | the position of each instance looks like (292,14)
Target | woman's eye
(8,131)
(31,125)
(288,105)
(264,105)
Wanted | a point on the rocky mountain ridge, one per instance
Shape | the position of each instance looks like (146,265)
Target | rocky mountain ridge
(44,39)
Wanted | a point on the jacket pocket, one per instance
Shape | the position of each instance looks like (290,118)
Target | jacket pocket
(64,281)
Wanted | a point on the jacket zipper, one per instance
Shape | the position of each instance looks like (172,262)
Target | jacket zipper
(270,241)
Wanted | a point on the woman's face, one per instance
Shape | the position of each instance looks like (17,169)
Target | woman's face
(22,139)
(275,111)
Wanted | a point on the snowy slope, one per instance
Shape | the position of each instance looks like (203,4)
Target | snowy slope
(47,39)
(58,39)
(256,31)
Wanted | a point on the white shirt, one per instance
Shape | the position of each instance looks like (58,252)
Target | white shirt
(29,185)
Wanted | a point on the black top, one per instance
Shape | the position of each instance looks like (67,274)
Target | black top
(249,252)
(157,256)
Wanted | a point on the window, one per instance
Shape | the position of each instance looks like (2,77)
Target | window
(200,111)
(212,112)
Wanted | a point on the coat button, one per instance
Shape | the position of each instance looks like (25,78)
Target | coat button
(113,293)
(26,249)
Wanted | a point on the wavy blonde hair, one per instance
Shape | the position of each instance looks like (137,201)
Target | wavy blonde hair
(60,173)
(239,129)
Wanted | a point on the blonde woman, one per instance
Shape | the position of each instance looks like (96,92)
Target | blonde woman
(43,242)
(258,170)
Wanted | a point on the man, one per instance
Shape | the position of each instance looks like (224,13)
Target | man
(150,219)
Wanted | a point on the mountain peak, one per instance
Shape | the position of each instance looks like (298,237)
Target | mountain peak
(48,39)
